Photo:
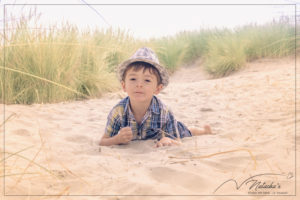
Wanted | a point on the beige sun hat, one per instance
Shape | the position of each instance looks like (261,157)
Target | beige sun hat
(146,55)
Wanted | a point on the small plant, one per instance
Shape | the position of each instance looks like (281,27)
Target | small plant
(225,55)
(47,65)
(171,52)
(270,40)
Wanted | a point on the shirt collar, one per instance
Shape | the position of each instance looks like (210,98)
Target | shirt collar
(154,106)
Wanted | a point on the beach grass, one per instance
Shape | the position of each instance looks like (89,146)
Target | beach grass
(197,43)
(45,65)
(272,40)
(229,50)
(51,64)
(170,52)
(225,51)
(225,55)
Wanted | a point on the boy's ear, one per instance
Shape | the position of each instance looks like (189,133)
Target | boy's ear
(158,89)
(123,85)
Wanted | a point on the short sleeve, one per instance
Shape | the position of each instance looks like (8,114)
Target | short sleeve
(170,127)
(113,123)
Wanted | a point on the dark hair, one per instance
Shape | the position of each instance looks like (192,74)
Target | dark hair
(145,66)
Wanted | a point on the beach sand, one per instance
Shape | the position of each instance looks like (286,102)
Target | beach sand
(52,149)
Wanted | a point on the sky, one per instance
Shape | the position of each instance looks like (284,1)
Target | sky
(146,21)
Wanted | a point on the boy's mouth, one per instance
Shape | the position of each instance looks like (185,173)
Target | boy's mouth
(139,92)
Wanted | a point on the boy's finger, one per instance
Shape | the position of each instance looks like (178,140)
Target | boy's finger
(164,144)
(128,138)
(175,142)
(127,141)
(128,133)
(158,144)
(127,128)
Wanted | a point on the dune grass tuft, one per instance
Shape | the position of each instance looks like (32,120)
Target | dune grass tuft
(46,65)
(225,55)
(170,51)
(271,40)
(50,64)
(229,51)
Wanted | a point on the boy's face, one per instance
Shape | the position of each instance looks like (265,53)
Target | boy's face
(140,85)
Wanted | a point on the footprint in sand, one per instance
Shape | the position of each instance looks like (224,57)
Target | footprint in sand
(21,132)
(79,139)
(180,178)
(223,166)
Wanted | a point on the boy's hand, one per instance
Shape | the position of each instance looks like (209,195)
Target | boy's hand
(125,135)
(165,141)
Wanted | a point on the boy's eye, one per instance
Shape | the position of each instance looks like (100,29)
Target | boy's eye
(147,80)
(132,79)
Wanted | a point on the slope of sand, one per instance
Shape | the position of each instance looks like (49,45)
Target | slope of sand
(52,149)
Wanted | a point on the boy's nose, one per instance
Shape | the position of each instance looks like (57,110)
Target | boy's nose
(139,84)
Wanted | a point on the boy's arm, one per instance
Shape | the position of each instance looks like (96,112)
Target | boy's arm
(170,129)
(123,137)
(170,135)
(108,141)
(112,128)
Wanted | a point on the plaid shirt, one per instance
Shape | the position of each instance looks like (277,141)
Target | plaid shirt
(157,122)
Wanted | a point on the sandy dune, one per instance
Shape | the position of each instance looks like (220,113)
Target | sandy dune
(52,149)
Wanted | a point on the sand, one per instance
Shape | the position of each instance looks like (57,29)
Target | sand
(52,149)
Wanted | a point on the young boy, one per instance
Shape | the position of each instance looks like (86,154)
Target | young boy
(142,115)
